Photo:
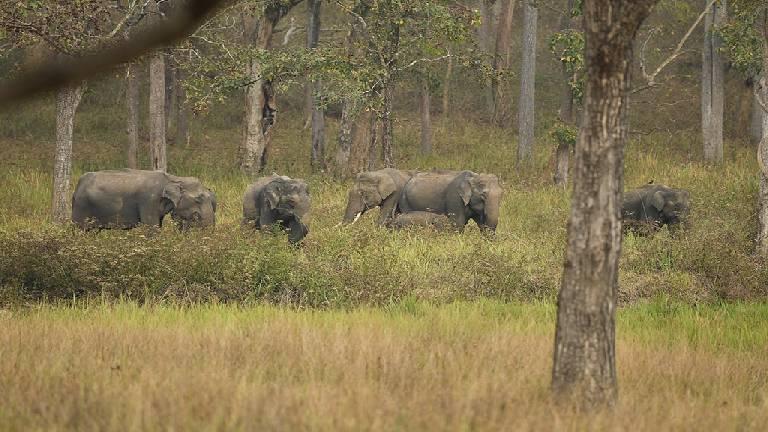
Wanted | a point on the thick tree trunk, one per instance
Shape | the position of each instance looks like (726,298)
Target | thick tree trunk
(388,128)
(584,355)
(502,98)
(373,142)
(565,112)
(171,99)
(526,114)
(132,124)
(157,138)
(67,101)
(426,120)
(762,150)
(316,113)
(712,85)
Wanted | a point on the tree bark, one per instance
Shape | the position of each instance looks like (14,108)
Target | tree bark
(447,88)
(387,128)
(157,138)
(762,150)
(526,114)
(132,124)
(565,112)
(182,120)
(373,134)
(485,34)
(171,99)
(67,101)
(315,110)
(502,99)
(712,85)
(584,369)
(426,120)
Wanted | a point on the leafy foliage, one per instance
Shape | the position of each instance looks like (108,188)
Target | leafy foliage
(564,133)
(741,37)
(568,47)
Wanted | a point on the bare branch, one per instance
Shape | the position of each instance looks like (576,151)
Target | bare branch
(56,74)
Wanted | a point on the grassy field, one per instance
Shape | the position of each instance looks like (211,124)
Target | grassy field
(411,366)
(363,264)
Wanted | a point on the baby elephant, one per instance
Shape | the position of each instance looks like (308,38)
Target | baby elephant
(653,206)
(278,200)
(126,198)
(422,219)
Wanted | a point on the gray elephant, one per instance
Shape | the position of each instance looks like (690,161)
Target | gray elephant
(126,198)
(421,219)
(461,196)
(278,200)
(653,206)
(373,189)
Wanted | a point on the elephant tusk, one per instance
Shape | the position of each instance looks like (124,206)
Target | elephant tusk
(356,218)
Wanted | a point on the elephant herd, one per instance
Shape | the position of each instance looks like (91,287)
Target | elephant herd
(442,199)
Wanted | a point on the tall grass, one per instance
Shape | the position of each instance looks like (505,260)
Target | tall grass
(364,264)
(411,366)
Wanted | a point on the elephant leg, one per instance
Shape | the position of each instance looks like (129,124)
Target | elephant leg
(150,216)
(388,209)
(296,230)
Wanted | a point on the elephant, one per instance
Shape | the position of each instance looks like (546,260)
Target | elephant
(126,198)
(372,189)
(654,205)
(460,196)
(420,219)
(278,200)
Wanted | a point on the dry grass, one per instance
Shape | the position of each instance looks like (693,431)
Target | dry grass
(462,366)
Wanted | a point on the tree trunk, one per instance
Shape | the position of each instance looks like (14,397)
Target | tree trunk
(67,101)
(259,111)
(527,83)
(426,120)
(485,34)
(584,356)
(565,112)
(346,131)
(712,86)
(157,138)
(447,87)
(373,134)
(171,99)
(182,120)
(756,117)
(502,99)
(762,150)
(313,102)
(132,103)
(387,128)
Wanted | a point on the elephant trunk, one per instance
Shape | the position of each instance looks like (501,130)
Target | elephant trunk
(492,207)
(355,207)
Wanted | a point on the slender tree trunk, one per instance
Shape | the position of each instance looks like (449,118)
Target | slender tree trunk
(762,150)
(182,120)
(502,99)
(387,128)
(447,87)
(485,34)
(565,113)
(67,101)
(712,85)
(157,138)
(584,355)
(349,158)
(526,114)
(346,131)
(316,112)
(171,99)
(373,154)
(132,103)
(426,120)
(259,109)
(756,116)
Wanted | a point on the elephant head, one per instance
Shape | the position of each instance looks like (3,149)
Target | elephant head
(370,190)
(481,194)
(287,197)
(191,204)
(672,205)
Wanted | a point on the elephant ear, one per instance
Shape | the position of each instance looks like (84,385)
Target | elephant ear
(657,200)
(465,191)
(386,187)
(172,192)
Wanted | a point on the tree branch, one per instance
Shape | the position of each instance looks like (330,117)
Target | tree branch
(56,74)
